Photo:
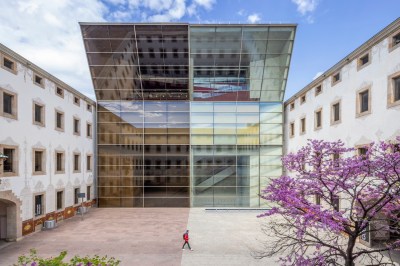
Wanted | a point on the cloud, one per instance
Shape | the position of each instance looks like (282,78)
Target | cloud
(168,10)
(115,2)
(158,10)
(47,33)
(318,74)
(305,6)
(193,7)
(242,12)
(254,18)
(207,4)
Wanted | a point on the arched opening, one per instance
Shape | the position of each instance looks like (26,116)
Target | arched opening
(10,218)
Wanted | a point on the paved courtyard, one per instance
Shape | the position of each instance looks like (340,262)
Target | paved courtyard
(150,237)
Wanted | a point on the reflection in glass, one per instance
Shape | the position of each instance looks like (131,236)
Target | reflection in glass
(175,117)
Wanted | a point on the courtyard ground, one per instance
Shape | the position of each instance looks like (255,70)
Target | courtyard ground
(150,237)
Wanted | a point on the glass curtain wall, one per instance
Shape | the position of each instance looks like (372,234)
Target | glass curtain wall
(187,121)
(239,63)
(236,148)
(237,87)
(140,74)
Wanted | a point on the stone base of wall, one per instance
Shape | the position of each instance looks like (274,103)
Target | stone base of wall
(33,225)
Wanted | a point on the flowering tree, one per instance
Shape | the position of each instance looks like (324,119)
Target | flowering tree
(306,224)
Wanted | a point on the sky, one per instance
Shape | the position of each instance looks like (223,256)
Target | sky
(47,33)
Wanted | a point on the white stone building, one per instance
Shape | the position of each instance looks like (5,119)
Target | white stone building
(357,100)
(46,130)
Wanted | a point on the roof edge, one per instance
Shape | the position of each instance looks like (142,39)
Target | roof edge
(187,23)
(22,60)
(378,37)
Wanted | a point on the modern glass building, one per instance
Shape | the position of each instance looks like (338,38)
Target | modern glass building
(188,115)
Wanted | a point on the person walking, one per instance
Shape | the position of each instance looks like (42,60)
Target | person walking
(186,239)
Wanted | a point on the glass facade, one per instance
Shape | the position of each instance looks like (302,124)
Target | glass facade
(234,147)
(188,115)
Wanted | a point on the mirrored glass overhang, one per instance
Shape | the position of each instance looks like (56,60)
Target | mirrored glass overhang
(188,62)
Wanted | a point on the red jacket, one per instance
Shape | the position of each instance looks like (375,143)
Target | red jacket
(186,236)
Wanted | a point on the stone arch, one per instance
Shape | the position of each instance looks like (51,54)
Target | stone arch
(10,208)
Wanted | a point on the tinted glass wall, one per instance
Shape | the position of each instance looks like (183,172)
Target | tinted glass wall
(143,154)
(138,62)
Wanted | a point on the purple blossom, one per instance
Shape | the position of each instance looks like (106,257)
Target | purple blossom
(367,185)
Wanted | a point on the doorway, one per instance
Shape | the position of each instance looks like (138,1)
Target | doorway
(8,220)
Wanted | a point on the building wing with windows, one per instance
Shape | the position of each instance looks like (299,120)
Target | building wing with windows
(188,115)
(356,101)
(48,155)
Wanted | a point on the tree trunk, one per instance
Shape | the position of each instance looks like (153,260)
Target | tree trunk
(349,252)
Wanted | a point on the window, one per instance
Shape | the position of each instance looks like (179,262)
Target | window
(291,106)
(140,52)
(394,41)
(10,165)
(88,188)
(88,107)
(335,158)
(76,195)
(9,65)
(60,200)
(38,80)
(303,99)
(9,104)
(394,89)
(60,162)
(335,78)
(335,202)
(363,61)
(38,114)
(77,127)
(88,162)
(303,125)
(335,113)
(163,53)
(59,120)
(77,101)
(151,53)
(39,161)
(362,151)
(88,130)
(318,90)
(318,119)
(60,92)
(318,199)
(292,132)
(39,205)
(77,162)
(396,148)
(175,53)
(363,102)
(396,85)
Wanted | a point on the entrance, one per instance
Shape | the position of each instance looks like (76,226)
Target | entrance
(10,225)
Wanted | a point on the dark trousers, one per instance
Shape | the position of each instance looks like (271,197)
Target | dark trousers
(184,244)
